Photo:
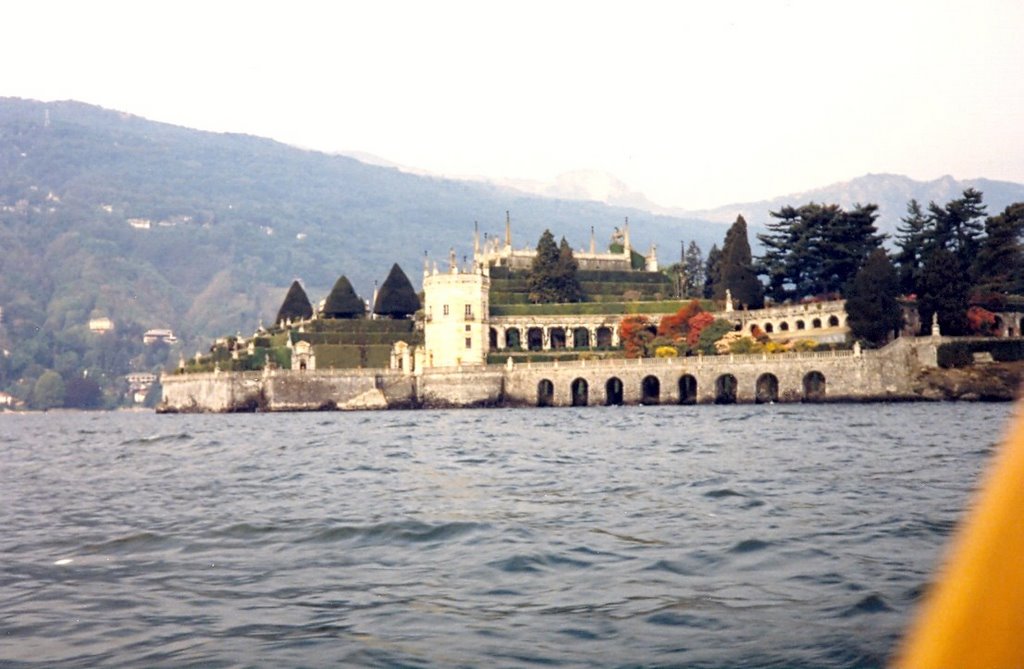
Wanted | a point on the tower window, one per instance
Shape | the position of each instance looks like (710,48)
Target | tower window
(446,310)
(469,310)
(469,342)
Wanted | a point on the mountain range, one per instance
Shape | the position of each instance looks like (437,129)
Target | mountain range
(103,213)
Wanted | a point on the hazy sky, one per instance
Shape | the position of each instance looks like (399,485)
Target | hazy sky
(693,103)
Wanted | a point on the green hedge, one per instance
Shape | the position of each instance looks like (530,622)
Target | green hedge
(380,325)
(587,308)
(351,356)
(961,353)
(356,338)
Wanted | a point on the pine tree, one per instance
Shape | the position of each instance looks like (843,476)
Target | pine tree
(871,305)
(342,301)
(958,226)
(846,242)
(737,269)
(911,239)
(296,305)
(396,297)
(999,265)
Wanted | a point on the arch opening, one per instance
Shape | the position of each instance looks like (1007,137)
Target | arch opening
(492,338)
(816,323)
(535,339)
(545,393)
(581,338)
(833,321)
(650,390)
(580,392)
(769,328)
(814,387)
(766,389)
(557,337)
(613,392)
(604,337)
(687,389)
(512,338)
(726,387)
(784,326)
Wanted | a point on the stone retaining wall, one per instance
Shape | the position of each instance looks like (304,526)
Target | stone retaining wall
(888,373)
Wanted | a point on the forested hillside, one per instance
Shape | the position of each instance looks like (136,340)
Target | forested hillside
(152,225)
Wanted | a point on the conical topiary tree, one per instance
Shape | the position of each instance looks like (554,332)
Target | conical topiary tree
(396,297)
(296,305)
(343,301)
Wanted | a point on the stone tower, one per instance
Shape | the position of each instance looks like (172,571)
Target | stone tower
(455,316)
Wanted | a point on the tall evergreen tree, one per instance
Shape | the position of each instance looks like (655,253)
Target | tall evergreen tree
(342,301)
(871,305)
(846,242)
(958,225)
(296,305)
(999,265)
(396,297)
(911,240)
(943,289)
(713,273)
(568,284)
(737,273)
(693,271)
(543,279)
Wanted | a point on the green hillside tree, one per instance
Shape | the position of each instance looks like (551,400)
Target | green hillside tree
(296,305)
(48,391)
(737,273)
(396,297)
(871,305)
(342,301)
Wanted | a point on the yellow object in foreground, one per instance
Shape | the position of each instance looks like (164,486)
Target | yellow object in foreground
(974,615)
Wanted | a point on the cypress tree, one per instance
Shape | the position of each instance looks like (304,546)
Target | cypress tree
(296,305)
(568,286)
(713,273)
(342,302)
(737,272)
(693,271)
(396,297)
(871,305)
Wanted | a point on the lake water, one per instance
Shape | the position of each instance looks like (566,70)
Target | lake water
(717,536)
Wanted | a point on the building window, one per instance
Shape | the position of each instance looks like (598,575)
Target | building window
(469,342)
(469,311)
(468,327)
(446,310)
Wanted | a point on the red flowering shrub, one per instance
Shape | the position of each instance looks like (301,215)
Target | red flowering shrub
(698,323)
(981,321)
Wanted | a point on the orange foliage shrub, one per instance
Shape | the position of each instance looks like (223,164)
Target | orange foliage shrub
(698,323)
(677,325)
(636,333)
